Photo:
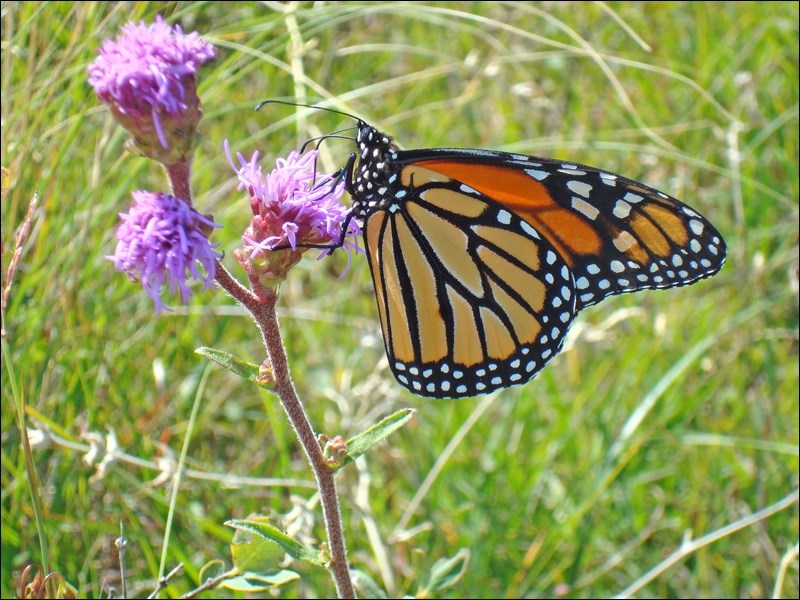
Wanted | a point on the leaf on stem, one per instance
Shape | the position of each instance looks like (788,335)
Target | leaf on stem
(359,444)
(241,367)
(289,545)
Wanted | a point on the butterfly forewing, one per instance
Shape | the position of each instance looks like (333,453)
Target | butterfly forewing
(616,235)
(470,298)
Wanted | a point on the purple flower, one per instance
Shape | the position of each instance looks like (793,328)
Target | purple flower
(161,240)
(147,76)
(294,207)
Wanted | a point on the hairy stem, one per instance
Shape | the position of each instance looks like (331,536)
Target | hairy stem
(179,175)
(262,306)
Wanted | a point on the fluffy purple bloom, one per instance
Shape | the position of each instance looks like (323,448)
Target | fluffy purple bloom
(293,207)
(147,76)
(161,240)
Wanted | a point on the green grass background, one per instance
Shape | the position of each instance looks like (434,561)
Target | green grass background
(543,483)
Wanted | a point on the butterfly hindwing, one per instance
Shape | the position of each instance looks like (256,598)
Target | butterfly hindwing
(470,297)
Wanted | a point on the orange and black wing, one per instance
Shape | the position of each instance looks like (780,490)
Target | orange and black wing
(481,259)
(471,298)
(616,235)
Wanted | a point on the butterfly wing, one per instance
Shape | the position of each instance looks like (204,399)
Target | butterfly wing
(481,259)
(471,298)
(616,235)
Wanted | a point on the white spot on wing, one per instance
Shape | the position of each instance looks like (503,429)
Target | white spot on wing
(608,178)
(624,241)
(579,187)
(529,230)
(586,209)
(633,198)
(622,209)
(537,174)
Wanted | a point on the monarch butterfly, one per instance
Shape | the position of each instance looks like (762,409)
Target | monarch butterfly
(481,259)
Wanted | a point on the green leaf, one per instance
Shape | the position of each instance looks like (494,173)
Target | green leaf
(445,573)
(259,582)
(239,366)
(291,546)
(358,445)
(253,553)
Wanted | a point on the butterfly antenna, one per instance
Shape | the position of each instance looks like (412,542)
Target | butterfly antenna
(325,108)
(322,138)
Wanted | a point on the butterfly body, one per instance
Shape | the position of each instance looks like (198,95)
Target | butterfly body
(481,259)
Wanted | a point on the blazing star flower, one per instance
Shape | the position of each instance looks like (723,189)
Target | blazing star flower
(161,240)
(294,207)
(147,76)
